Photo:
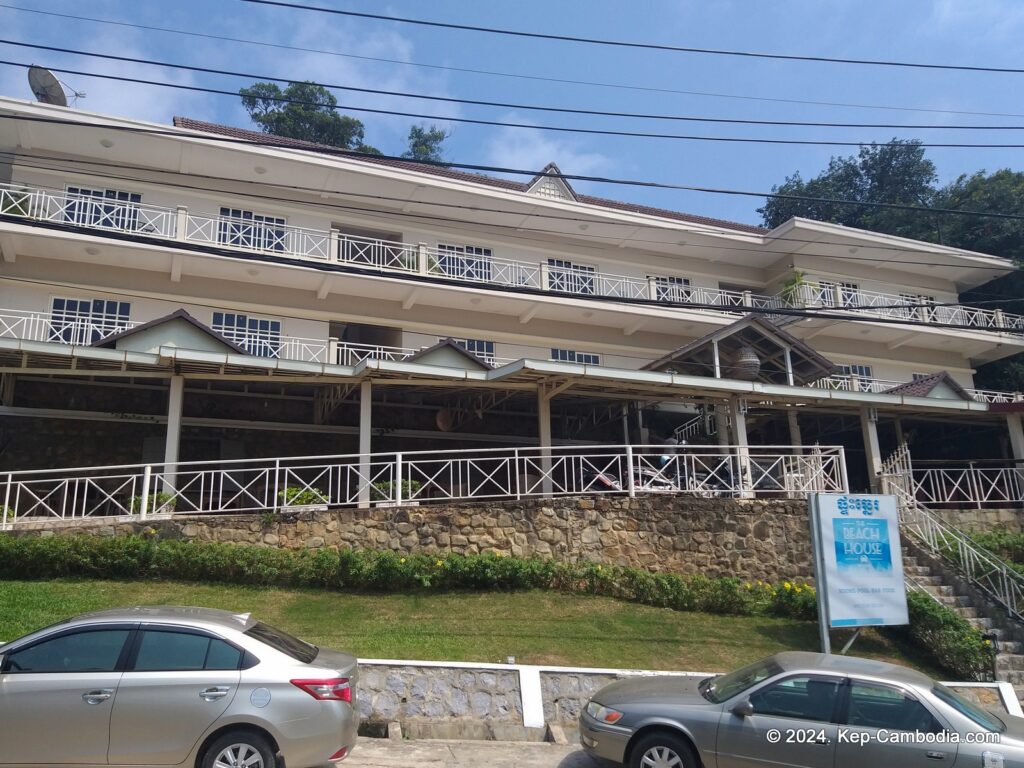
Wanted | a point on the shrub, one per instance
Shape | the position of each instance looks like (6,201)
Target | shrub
(296,496)
(158,502)
(385,490)
(948,637)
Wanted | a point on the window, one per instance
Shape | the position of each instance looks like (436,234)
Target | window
(671,288)
(479,347)
(161,651)
(860,376)
(280,641)
(88,651)
(570,278)
(464,262)
(919,376)
(86,321)
(246,229)
(882,706)
(109,208)
(722,687)
(839,294)
(803,697)
(258,336)
(982,717)
(922,307)
(572,356)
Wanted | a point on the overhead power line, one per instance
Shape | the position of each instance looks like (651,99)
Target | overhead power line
(270,142)
(498,123)
(638,45)
(59,163)
(511,75)
(511,105)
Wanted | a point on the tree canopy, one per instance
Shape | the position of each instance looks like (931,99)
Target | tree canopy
(307,111)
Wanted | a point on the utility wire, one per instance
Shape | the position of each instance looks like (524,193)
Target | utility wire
(519,76)
(311,148)
(505,124)
(534,108)
(508,105)
(629,44)
(21,161)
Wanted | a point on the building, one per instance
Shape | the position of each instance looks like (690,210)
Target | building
(197,292)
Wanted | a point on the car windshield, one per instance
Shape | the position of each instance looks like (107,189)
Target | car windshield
(982,717)
(281,641)
(718,689)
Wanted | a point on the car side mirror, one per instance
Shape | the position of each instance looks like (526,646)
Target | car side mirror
(743,709)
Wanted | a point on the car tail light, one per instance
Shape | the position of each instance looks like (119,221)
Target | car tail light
(341,754)
(331,689)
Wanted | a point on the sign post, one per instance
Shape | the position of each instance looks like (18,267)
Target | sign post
(858,562)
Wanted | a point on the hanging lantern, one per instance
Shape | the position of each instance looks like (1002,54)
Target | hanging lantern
(746,365)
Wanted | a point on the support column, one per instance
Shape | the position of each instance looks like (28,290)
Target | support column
(722,424)
(1013,425)
(544,437)
(793,418)
(739,428)
(173,441)
(897,424)
(873,454)
(365,445)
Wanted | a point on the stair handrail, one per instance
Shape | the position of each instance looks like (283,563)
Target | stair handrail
(983,568)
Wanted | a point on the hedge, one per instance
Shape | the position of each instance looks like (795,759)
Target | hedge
(940,632)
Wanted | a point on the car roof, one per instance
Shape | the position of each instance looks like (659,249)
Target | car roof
(849,665)
(172,614)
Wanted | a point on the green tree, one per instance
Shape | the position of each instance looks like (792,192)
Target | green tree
(303,111)
(896,172)
(425,143)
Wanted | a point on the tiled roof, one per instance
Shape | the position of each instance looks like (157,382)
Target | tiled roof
(923,386)
(243,134)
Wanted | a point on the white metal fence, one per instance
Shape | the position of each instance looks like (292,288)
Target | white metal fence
(419,477)
(984,569)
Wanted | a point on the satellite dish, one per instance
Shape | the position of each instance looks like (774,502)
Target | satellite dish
(46,87)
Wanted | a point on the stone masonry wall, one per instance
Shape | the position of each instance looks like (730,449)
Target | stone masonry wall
(749,539)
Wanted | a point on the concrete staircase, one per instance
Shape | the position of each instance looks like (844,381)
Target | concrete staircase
(944,585)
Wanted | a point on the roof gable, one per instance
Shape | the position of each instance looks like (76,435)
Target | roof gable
(938,385)
(178,329)
(448,353)
(550,183)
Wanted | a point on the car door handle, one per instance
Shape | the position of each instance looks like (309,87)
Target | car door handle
(97,696)
(214,693)
(935,755)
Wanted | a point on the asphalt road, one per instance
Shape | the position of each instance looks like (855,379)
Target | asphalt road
(382,753)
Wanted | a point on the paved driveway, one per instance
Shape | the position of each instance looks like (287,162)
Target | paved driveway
(382,753)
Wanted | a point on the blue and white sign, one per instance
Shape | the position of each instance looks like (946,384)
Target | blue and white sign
(859,560)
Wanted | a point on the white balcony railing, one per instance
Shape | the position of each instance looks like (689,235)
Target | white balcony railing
(420,477)
(854,383)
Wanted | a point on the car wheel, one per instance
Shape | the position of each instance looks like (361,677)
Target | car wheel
(662,750)
(240,749)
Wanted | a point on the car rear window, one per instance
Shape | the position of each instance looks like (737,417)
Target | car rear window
(281,641)
(982,717)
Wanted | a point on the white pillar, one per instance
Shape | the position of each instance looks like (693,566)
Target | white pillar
(872,453)
(173,441)
(722,424)
(900,437)
(739,428)
(1013,425)
(365,445)
(793,417)
(544,435)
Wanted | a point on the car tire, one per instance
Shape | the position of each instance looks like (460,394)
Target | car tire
(662,749)
(237,748)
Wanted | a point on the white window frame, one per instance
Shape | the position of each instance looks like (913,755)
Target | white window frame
(482,348)
(464,262)
(258,336)
(671,288)
(574,356)
(79,320)
(568,277)
(106,208)
(243,228)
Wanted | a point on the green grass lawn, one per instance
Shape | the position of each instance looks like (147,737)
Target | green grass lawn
(535,627)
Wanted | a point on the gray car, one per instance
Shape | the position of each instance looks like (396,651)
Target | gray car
(799,710)
(168,686)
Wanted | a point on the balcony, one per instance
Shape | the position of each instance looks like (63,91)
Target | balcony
(270,235)
(854,383)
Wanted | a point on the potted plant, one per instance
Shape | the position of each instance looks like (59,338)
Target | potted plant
(384,493)
(159,503)
(302,498)
(794,291)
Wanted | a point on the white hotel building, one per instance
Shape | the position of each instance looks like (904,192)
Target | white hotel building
(201,293)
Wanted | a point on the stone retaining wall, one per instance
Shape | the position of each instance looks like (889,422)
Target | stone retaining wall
(983,519)
(750,539)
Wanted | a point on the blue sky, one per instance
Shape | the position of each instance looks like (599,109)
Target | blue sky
(970,32)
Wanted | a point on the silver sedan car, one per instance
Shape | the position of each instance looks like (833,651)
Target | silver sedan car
(799,710)
(170,686)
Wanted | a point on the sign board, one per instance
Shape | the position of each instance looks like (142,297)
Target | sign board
(858,560)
